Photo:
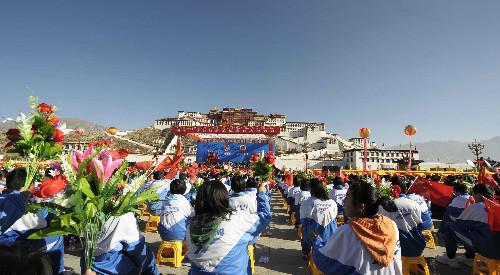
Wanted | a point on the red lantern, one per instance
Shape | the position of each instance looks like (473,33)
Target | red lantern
(410,130)
(364,132)
(112,130)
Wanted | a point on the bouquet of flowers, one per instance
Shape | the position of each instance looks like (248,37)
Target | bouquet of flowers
(85,189)
(37,137)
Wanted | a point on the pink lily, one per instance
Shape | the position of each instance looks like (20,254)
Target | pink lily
(77,157)
(105,167)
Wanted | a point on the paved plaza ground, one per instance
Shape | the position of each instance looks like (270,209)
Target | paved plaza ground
(282,249)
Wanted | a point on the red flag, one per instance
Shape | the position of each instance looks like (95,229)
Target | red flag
(288,179)
(165,164)
(143,165)
(486,178)
(493,209)
(438,193)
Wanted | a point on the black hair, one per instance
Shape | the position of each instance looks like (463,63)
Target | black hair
(304,185)
(238,184)
(15,179)
(364,193)
(337,181)
(183,177)
(158,175)
(212,201)
(318,190)
(460,187)
(484,190)
(399,182)
(251,183)
(22,260)
(297,182)
(178,187)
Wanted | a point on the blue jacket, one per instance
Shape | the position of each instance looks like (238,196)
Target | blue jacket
(122,249)
(338,194)
(454,209)
(424,209)
(319,217)
(471,228)
(408,219)
(174,214)
(343,253)
(227,253)
(27,224)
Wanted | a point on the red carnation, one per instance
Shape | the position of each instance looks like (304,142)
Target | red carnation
(58,136)
(45,108)
(396,191)
(53,120)
(50,186)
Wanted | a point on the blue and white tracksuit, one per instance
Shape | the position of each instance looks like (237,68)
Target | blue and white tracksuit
(471,229)
(319,217)
(454,209)
(227,252)
(338,194)
(344,254)
(408,218)
(27,224)
(163,190)
(244,201)
(122,249)
(174,213)
(424,209)
(12,207)
(298,199)
(290,197)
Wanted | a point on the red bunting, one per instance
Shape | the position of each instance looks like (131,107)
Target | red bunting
(493,209)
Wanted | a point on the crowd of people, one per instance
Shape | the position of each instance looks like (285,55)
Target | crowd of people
(219,214)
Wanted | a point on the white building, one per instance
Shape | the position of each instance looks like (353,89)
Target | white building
(376,159)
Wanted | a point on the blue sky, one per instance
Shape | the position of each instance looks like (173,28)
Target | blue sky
(377,64)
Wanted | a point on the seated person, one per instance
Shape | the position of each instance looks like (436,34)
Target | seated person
(174,212)
(424,209)
(121,249)
(20,259)
(317,215)
(338,193)
(241,200)
(408,218)
(162,189)
(472,230)
(368,244)
(460,201)
(16,226)
(299,198)
(218,236)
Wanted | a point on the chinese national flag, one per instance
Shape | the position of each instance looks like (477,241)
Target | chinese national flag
(438,193)
(493,209)
(486,178)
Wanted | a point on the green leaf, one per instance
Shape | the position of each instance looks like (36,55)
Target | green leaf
(86,189)
(90,210)
(54,229)
(67,221)
(110,186)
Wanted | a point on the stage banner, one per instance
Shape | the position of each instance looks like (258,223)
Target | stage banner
(229,151)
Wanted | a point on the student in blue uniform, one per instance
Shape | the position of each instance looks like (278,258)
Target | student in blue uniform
(368,244)
(16,226)
(299,198)
(174,212)
(240,199)
(338,192)
(471,229)
(317,216)
(122,249)
(218,236)
(408,217)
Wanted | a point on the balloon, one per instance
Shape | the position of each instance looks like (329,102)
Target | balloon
(364,132)
(112,130)
(410,130)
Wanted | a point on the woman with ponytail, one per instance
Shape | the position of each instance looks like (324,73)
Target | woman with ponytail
(368,244)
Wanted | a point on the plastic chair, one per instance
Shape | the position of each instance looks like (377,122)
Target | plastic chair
(312,266)
(483,265)
(252,257)
(416,265)
(178,253)
(429,239)
(152,224)
(340,220)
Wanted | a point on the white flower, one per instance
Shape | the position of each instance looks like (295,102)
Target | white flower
(135,184)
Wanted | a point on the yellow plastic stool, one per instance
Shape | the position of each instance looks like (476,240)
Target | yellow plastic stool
(340,220)
(412,263)
(429,239)
(292,219)
(482,265)
(152,224)
(312,266)
(252,257)
(300,232)
(176,247)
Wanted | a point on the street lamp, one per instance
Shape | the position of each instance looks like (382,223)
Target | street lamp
(476,148)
